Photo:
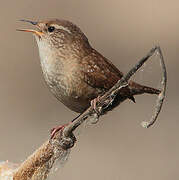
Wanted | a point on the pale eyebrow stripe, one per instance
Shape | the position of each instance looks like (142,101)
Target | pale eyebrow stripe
(61,27)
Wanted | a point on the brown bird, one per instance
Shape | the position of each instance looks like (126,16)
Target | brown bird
(74,71)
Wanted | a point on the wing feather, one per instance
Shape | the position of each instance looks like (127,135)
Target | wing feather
(99,72)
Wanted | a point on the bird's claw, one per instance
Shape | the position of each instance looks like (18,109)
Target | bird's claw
(56,129)
(93,105)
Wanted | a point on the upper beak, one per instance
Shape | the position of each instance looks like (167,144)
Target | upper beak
(39,33)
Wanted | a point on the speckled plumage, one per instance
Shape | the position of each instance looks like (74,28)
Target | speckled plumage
(74,71)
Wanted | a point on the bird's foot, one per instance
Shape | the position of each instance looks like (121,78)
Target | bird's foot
(56,129)
(93,105)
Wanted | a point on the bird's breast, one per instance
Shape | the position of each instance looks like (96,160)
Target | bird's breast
(64,79)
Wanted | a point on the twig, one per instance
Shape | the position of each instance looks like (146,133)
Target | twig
(161,96)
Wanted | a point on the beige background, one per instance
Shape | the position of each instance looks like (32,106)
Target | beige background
(117,148)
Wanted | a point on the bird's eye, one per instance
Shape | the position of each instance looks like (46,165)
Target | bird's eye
(51,28)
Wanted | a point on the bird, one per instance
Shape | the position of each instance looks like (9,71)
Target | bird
(75,72)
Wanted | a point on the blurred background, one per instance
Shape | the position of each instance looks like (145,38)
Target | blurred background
(117,148)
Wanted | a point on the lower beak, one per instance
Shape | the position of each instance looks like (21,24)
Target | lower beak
(38,33)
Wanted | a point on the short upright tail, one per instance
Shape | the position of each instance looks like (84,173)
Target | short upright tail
(136,89)
(129,92)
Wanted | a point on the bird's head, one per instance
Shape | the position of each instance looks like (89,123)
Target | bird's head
(58,34)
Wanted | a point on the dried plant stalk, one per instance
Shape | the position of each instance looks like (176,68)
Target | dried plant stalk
(39,164)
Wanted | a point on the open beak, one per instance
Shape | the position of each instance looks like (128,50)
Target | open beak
(36,32)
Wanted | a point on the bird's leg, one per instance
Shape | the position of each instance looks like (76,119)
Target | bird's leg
(58,128)
(93,104)
(95,117)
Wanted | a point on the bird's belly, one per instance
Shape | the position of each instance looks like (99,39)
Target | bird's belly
(67,83)
(71,91)
(72,101)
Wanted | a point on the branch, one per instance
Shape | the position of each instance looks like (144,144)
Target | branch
(39,164)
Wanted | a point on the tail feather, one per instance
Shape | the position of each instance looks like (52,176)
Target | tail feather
(136,89)
(129,92)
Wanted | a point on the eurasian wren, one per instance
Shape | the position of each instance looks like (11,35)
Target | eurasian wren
(73,70)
